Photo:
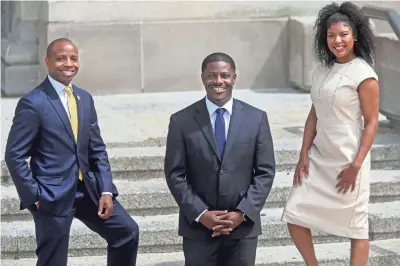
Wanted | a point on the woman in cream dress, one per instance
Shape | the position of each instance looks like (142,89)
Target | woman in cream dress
(331,184)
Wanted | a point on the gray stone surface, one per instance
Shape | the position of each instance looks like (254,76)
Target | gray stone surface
(28,11)
(19,53)
(26,32)
(135,126)
(128,120)
(109,55)
(152,196)
(166,55)
(253,28)
(159,233)
(385,217)
(301,60)
(19,77)
(382,253)
(135,159)
(388,70)
(129,11)
(261,57)
(19,46)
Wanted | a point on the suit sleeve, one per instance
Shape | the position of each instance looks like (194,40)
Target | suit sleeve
(175,172)
(21,138)
(98,157)
(264,173)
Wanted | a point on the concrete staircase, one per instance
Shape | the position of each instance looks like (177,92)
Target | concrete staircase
(134,128)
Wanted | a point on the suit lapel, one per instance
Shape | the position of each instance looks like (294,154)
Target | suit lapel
(235,124)
(80,111)
(55,101)
(204,122)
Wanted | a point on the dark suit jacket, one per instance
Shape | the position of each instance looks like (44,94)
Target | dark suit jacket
(198,178)
(42,131)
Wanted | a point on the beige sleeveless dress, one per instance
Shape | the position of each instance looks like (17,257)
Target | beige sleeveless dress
(316,204)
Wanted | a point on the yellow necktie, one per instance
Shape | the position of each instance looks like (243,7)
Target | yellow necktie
(73,111)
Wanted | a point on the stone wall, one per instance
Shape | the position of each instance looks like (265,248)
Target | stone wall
(19,46)
(130,46)
(388,70)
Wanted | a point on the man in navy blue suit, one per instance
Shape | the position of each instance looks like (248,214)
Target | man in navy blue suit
(69,173)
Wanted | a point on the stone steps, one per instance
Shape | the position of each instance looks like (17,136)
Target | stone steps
(142,162)
(382,253)
(159,233)
(134,129)
(152,196)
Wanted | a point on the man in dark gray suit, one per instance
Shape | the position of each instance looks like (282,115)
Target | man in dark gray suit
(219,166)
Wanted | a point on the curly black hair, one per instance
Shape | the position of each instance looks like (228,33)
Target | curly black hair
(351,15)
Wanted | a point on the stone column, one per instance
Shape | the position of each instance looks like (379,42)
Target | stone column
(19,47)
(301,59)
(388,70)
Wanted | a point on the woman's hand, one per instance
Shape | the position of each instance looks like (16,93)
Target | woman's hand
(301,170)
(347,178)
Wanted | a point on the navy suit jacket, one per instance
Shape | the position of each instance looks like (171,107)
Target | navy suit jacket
(42,131)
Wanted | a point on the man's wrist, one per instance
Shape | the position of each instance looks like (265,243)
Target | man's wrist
(242,215)
(201,214)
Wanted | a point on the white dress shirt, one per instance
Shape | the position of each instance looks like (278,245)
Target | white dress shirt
(211,108)
(59,87)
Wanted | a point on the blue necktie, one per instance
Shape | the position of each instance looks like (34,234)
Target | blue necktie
(220,130)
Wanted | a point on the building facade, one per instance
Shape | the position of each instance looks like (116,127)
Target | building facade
(135,47)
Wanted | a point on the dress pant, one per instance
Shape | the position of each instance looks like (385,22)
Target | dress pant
(52,232)
(221,251)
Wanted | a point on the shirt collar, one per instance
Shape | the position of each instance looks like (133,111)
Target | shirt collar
(59,87)
(212,107)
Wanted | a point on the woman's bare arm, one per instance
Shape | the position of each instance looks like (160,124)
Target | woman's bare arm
(309,132)
(369,98)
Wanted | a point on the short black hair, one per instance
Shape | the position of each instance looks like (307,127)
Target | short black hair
(350,14)
(51,45)
(216,57)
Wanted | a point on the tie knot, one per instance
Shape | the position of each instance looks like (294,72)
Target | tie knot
(68,91)
(220,111)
